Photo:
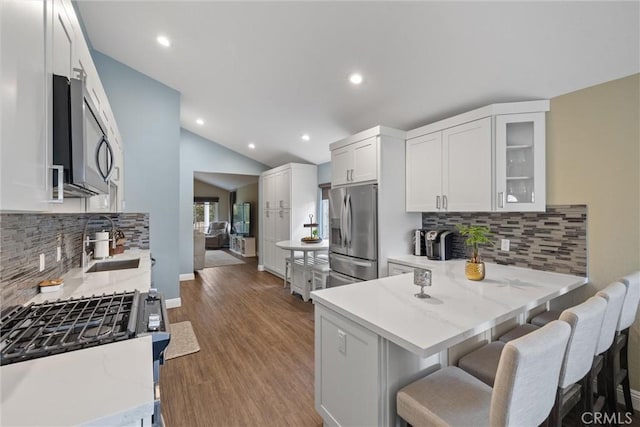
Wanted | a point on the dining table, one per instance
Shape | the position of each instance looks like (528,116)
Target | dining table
(301,282)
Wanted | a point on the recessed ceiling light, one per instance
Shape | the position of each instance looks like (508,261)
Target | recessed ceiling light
(355,78)
(164,41)
(306,137)
(200,122)
(252,145)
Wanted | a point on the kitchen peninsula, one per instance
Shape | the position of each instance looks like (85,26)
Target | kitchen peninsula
(372,338)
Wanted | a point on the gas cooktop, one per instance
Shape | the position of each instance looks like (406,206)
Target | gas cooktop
(38,330)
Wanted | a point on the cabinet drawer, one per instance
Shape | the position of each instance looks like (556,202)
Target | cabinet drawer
(396,269)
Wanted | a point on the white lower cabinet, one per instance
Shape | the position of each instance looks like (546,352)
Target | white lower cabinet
(358,372)
(346,388)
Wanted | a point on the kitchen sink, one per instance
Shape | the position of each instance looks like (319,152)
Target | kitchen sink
(114,265)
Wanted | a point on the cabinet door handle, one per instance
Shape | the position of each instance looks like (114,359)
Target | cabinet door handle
(444,202)
(281,204)
(281,214)
(267,206)
(267,214)
(347,174)
(501,199)
(437,202)
(351,174)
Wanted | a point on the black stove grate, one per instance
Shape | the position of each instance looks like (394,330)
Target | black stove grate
(38,330)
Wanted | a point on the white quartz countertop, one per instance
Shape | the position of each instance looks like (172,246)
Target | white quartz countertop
(105,385)
(459,308)
(77,283)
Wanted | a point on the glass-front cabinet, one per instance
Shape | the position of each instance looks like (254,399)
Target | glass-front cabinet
(520,162)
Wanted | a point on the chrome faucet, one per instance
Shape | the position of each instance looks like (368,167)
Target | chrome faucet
(86,240)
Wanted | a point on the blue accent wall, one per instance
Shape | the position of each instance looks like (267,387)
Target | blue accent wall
(199,154)
(148,117)
(324,173)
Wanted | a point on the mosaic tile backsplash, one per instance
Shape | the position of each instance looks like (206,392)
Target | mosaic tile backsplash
(24,236)
(555,240)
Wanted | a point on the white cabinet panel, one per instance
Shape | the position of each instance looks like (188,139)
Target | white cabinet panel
(269,191)
(365,161)
(347,373)
(23,127)
(283,190)
(396,269)
(341,161)
(63,55)
(466,158)
(424,173)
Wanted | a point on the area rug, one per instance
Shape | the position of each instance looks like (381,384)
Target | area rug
(219,258)
(183,340)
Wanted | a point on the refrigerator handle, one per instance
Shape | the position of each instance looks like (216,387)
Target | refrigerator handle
(348,206)
(342,225)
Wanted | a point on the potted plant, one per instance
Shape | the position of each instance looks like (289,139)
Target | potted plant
(476,235)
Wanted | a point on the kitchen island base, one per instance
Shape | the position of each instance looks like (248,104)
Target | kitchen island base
(359,372)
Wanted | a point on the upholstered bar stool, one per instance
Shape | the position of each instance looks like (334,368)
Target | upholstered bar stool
(586,322)
(618,351)
(614,294)
(523,394)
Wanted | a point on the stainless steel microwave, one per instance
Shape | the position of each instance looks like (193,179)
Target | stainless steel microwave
(81,149)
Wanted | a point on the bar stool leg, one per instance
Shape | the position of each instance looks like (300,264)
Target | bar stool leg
(624,364)
(286,272)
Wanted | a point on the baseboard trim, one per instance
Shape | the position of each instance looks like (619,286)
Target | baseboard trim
(173,302)
(635,398)
(187,276)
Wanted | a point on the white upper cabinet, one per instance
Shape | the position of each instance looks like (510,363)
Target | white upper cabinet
(355,162)
(424,173)
(466,167)
(520,162)
(63,42)
(450,170)
(283,189)
(23,112)
(489,159)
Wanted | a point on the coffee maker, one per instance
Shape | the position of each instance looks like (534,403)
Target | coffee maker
(439,244)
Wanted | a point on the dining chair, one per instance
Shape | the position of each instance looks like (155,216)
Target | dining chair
(523,393)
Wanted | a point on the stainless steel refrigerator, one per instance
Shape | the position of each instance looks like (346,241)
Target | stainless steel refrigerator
(353,241)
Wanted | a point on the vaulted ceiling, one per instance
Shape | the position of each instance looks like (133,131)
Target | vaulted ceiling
(268,72)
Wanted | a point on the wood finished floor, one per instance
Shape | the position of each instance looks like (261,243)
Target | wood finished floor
(255,364)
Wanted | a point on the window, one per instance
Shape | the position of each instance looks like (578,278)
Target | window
(323,215)
(205,211)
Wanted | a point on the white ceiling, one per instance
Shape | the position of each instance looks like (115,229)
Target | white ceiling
(226,181)
(267,72)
